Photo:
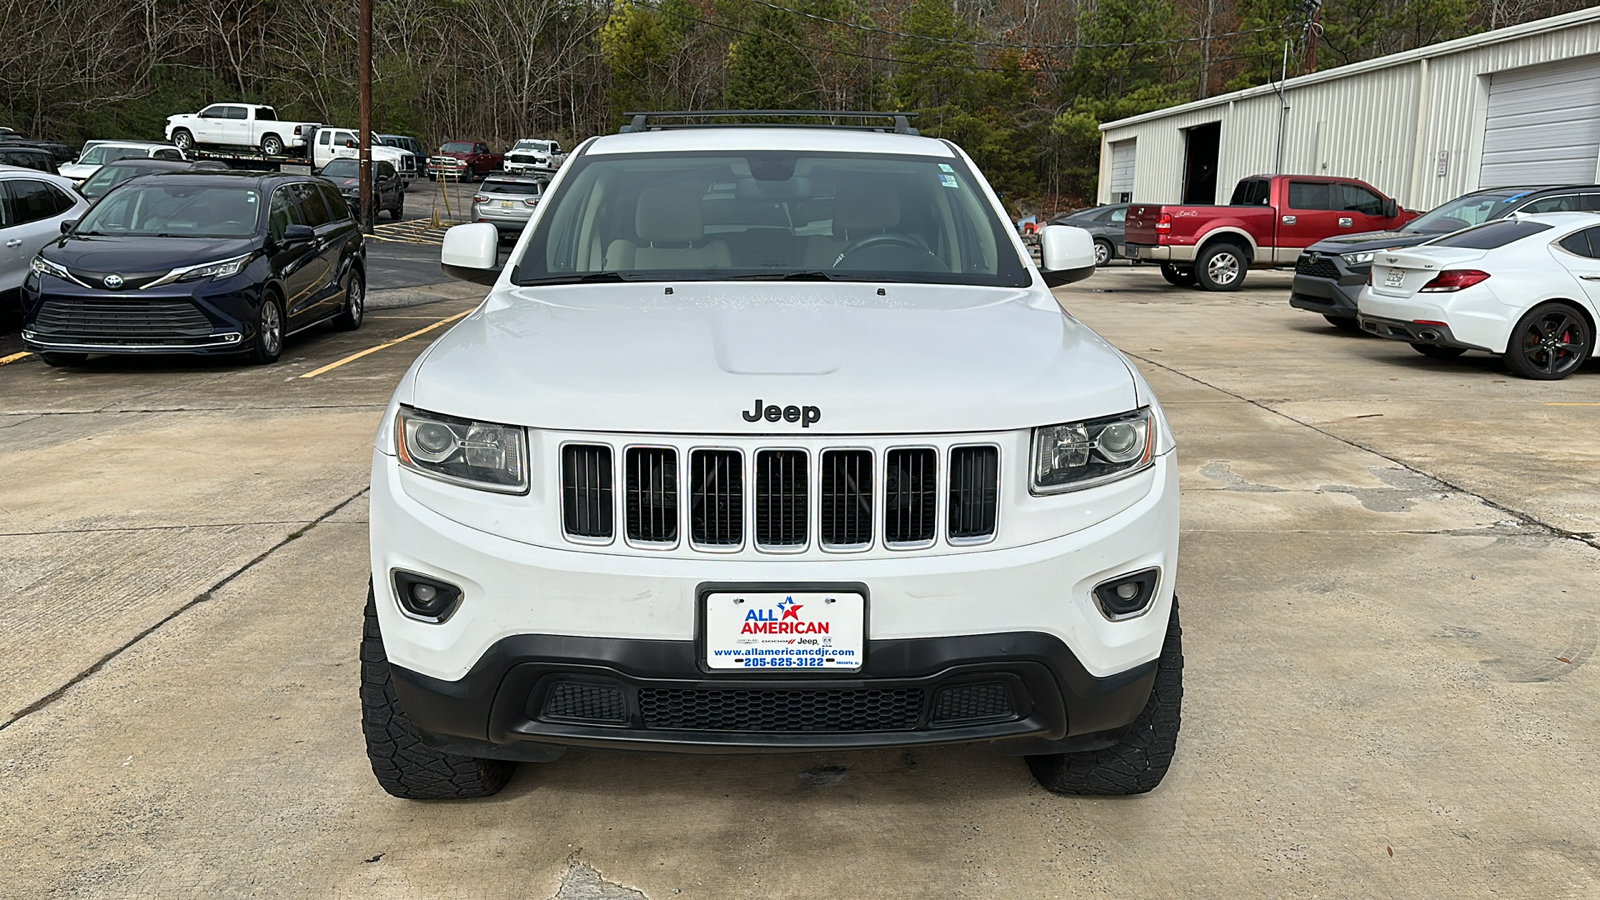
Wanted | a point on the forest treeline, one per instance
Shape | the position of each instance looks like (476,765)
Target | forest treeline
(1021,84)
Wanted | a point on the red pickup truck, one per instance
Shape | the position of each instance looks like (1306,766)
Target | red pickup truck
(1268,221)
(463,161)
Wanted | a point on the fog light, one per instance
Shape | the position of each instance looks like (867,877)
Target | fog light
(427,599)
(1128,595)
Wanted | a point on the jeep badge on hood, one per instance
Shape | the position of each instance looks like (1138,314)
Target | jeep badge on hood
(805,415)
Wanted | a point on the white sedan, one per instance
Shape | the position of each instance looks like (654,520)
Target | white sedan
(1525,288)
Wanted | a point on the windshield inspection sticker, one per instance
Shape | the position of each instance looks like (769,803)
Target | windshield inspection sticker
(945,167)
(949,181)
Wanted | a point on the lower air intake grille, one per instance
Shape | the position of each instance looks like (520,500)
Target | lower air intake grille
(781,711)
(716,498)
(586,703)
(586,490)
(1321,267)
(121,318)
(652,487)
(972,703)
(974,492)
(781,479)
(910,495)
(846,498)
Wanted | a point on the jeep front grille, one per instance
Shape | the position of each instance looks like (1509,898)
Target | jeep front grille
(782,477)
(586,508)
(731,499)
(652,487)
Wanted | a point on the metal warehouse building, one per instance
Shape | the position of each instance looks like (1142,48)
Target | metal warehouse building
(1520,105)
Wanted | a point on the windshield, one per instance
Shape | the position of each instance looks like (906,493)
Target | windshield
(175,210)
(1464,212)
(342,168)
(456,147)
(107,177)
(833,216)
(532,145)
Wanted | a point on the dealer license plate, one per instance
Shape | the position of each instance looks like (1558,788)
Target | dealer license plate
(783,630)
(507,204)
(1396,278)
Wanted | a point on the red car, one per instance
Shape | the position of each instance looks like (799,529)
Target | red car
(1269,220)
(464,161)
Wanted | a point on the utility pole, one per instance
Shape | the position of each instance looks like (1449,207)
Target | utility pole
(364,55)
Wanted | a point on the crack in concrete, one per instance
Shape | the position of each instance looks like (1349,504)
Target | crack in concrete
(582,882)
(198,599)
(1588,540)
(1221,470)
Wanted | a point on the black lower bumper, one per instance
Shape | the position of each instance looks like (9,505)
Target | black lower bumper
(532,694)
(1414,332)
(1328,296)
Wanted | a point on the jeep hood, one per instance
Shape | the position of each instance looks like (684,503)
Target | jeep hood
(631,358)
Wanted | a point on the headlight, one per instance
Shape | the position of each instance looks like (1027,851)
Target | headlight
(477,454)
(1358,259)
(222,268)
(1082,454)
(44,266)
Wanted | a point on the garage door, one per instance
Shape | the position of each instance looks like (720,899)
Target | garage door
(1122,171)
(1543,125)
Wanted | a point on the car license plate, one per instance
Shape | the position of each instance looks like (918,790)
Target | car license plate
(784,631)
(1396,278)
(507,204)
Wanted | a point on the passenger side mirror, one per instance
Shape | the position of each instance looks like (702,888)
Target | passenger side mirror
(1066,254)
(472,253)
(67,225)
(1391,208)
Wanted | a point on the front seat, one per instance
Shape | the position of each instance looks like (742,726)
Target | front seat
(668,223)
(860,210)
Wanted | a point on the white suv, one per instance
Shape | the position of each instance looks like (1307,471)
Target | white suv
(771,439)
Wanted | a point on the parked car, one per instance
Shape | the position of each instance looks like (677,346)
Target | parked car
(33,205)
(240,125)
(106,151)
(1526,288)
(1268,222)
(24,157)
(388,191)
(62,153)
(743,386)
(1328,277)
(197,263)
(410,145)
(116,172)
(464,161)
(529,155)
(344,143)
(1106,225)
(507,202)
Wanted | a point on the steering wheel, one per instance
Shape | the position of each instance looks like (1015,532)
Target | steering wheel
(881,240)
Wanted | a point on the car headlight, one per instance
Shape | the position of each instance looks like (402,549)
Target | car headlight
(1358,259)
(222,268)
(1082,454)
(477,454)
(42,266)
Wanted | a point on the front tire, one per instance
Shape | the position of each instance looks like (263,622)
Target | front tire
(405,766)
(183,139)
(267,345)
(1549,343)
(1102,252)
(1221,267)
(1175,275)
(272,145)
(399,209)
(355,302)
(1345,323)
(1138,762)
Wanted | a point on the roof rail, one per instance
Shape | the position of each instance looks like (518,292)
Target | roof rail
(899,122)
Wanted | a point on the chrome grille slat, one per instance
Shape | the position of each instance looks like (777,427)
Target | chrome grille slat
(846,499)
(586,502)
(910,496)
(652,495)
(716,498)
(782,479)
(974,493)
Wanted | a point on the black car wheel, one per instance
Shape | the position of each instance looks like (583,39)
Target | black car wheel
(1102,252)
(355,302)
(399,207)
(1344,323)
(1549,343)
(267,345)
(1182,277)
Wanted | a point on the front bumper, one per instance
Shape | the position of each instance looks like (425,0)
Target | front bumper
(1329,296)
(206,317)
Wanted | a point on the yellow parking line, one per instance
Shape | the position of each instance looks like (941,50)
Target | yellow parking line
(1547,404)
(13,357)
(355,356)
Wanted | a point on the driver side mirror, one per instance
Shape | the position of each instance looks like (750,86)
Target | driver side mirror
(1066,254)
(67,225)
(472,253)
(297,234)
(1391,208)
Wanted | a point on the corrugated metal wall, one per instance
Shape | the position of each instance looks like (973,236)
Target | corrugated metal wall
(1362,125)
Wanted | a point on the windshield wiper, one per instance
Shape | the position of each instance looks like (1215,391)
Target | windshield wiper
(808,275)
(588,278)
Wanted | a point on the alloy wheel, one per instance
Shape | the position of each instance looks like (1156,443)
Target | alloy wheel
(1554,343)
(1223,268)
(271,329)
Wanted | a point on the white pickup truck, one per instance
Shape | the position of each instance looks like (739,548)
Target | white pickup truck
(529,155)
(239,125)
(341,143)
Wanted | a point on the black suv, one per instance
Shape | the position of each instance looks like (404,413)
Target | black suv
(25,157)
(198,262)
(388,191)
(1329,275)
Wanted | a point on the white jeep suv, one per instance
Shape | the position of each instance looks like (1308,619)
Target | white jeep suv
(771,439)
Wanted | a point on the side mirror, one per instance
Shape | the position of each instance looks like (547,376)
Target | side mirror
(1391,208)
(298,234)
(472,253)
(1066,254)
(67,225)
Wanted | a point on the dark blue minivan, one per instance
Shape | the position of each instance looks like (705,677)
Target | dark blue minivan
(197,263)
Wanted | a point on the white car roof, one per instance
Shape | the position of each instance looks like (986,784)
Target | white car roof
(749,138)
(20,172)
(136,145)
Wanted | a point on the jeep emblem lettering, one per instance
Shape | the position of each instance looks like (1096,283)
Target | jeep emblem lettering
(805,415)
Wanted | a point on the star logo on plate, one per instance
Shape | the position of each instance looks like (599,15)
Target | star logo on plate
(113,281)
(791,609)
